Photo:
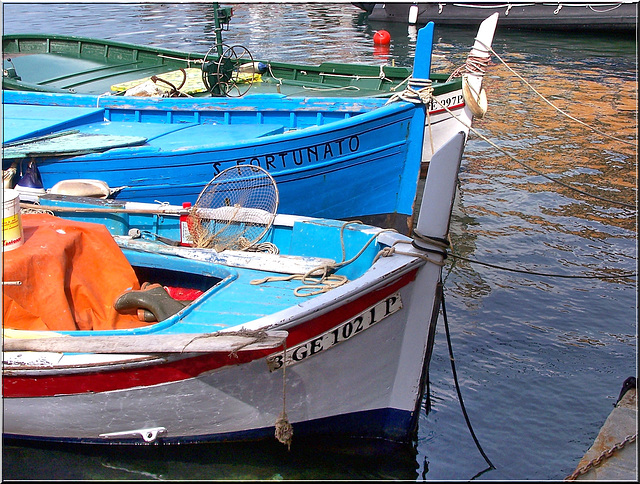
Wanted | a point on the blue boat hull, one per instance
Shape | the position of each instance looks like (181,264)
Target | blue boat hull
(390,425)
(347,159)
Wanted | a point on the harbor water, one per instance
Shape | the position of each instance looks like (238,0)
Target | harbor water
(541,340)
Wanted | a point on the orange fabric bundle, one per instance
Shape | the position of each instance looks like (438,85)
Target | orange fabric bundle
(71,274)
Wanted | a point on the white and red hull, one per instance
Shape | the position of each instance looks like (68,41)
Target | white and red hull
(366,381)
(355,362)
(450,113)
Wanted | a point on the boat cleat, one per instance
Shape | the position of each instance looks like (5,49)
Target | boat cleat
(148,435)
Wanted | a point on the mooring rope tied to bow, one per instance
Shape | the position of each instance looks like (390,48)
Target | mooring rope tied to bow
(475,65)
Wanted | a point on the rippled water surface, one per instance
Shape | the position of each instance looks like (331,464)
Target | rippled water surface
(540,359)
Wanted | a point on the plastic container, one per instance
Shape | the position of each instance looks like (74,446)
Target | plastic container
(185,233)
(12,233)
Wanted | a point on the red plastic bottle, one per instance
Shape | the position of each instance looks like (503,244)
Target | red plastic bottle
(185,233)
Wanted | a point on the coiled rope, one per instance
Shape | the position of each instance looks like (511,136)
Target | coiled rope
(422,93)
(475,65)
(322,279)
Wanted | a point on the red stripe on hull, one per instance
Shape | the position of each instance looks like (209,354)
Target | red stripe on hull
(452,108)
(190,367)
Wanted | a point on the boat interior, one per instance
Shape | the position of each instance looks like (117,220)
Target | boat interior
(149,285)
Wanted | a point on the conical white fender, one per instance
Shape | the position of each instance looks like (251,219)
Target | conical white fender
(474,95)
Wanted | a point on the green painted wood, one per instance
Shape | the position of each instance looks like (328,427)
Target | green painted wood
(58,63)
(71,143)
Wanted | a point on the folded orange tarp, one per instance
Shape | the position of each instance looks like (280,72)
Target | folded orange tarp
(71,274)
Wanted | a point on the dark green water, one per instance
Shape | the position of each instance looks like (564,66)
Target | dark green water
(540,359)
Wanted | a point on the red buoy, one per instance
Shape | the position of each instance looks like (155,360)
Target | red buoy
(381,37)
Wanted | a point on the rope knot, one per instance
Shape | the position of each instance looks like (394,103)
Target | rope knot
(418,91)
(387,251)
(284,430)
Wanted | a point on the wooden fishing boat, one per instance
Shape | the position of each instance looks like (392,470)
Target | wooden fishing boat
(330,334)
(83,65)
(77,65)
(603,17)
(58,63)
(332,157)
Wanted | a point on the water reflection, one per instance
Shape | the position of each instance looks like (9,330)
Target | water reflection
(511,204)
(315,459)
(540,360)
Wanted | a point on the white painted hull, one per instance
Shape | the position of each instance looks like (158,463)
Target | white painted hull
(355,365)
(451,113)
(239,401)
(441,125)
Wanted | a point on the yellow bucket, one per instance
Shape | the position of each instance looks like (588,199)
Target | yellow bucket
(12,234)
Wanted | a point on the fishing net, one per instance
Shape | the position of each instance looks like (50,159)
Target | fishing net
(235,209)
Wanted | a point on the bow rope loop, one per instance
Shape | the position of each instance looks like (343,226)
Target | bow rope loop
(420,255)
(418,91)
(421,94)
(474,65)
(440,243)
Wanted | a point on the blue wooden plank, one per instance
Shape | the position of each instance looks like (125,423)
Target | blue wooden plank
(424,45)
(22,121)
(181,136)
(71,143)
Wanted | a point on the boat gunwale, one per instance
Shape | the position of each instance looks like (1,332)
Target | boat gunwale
(169,57)
(283,319)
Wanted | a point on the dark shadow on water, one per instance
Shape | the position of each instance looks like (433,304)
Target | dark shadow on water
(308,459)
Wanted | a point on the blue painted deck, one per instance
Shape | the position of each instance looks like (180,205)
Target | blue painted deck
(234,300)
(24,122)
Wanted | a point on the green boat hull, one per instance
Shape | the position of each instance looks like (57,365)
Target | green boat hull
(70,64)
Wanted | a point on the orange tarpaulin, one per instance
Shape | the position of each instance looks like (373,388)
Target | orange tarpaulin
(71,274)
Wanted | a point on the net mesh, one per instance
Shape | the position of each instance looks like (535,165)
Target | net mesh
(235,209)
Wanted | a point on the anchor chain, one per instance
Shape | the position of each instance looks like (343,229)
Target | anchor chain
(600,459)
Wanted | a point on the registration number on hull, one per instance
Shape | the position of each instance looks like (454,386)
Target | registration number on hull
(338,334)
